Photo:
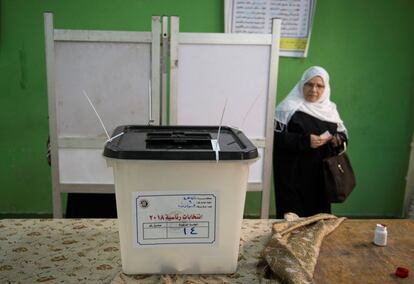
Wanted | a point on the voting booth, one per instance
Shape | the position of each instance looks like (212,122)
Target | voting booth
(127,76)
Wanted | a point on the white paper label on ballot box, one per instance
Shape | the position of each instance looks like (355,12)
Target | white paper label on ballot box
(163,218)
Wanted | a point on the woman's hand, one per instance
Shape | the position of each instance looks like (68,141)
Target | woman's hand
(316,141)
(336,140)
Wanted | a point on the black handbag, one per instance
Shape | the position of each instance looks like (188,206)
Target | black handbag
(339,177)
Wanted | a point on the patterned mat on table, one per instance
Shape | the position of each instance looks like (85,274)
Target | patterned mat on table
(87,251)
(59,251)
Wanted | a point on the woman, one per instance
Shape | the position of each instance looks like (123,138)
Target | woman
(307,130)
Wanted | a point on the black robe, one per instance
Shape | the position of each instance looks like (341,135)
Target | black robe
(299,184)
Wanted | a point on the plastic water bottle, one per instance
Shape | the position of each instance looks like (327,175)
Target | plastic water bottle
(380,238)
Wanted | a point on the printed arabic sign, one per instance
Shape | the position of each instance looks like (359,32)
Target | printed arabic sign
(255,16)
(162,218)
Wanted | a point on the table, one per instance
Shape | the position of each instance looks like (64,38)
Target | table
(348,255)
(87,251)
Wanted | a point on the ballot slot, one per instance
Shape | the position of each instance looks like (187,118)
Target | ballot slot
(178,140)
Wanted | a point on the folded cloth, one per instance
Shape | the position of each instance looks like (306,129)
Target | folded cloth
(292,252)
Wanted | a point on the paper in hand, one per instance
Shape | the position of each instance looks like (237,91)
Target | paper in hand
(326,135)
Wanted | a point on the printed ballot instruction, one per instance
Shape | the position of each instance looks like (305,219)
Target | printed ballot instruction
(162,218)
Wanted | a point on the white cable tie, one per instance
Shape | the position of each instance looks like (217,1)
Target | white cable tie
(217,147)
(116,136)
(150,120)
(221,120)
(100,120)
(250,108)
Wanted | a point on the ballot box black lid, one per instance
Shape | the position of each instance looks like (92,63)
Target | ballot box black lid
(147,142)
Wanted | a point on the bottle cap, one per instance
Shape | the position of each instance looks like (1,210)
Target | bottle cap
(382,227)
(402,272)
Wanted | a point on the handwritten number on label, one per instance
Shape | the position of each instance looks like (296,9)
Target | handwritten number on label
(191,231)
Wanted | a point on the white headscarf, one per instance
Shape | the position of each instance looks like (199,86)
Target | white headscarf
(322,109)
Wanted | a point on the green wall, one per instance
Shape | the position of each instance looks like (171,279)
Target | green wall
(365,45)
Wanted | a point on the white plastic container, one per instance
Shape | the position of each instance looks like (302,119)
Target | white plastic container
(179,210)
(381,234)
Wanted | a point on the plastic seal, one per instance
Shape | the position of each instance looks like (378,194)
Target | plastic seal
(402,272)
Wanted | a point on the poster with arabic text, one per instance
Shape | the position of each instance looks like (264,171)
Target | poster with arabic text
(255,16)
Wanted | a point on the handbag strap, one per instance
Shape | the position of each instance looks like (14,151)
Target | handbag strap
(344,150)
